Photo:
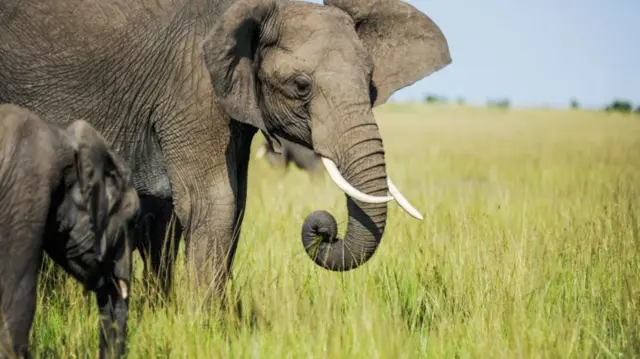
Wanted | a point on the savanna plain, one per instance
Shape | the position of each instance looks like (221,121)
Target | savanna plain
(529,249)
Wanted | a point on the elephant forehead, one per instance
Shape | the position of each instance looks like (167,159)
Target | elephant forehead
(321,51)
(321,61)
(300,22)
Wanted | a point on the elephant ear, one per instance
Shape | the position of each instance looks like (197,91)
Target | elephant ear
(101,178)
(405,44)
(231,54)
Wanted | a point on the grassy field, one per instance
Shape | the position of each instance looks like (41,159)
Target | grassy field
(529,249)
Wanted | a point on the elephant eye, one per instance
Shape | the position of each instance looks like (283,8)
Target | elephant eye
(303,84)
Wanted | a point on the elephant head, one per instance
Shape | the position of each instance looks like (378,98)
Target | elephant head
(102,206)
(311,74)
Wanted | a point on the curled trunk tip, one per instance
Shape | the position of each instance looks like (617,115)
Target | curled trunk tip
(319,234)
(322,244)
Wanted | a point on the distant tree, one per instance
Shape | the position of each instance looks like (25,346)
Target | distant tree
(622,106)
(460,101)
(638,110)
(574,104)
(500,104)
(433,99)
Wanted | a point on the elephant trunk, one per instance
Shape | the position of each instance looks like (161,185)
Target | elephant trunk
(113,306)
(362,166)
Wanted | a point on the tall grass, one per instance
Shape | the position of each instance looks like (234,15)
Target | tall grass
(529,248)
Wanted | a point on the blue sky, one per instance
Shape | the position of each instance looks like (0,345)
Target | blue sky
(535,52)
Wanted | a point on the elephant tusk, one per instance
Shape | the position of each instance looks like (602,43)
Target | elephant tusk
(124,290)
(335,175)
(402,201)
(261,151)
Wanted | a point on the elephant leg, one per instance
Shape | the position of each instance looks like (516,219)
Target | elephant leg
(209,198)
(158,244)
(276,160)
(17,308)
(287,158)
(164,251)
(143,238)
(300,161)
(164,246)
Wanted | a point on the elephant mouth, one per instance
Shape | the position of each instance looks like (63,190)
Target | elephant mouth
(348,189)
(106,268)
(97,279)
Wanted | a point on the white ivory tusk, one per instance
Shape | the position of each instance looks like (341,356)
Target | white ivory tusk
(402,202)
(348,189)
(124,290)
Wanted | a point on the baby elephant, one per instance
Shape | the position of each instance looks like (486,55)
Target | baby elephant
(66,193)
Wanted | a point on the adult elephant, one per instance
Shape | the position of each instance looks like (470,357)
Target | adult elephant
(179,88)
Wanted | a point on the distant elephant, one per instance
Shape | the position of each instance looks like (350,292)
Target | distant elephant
(63,192)
(180,87)
(302,157)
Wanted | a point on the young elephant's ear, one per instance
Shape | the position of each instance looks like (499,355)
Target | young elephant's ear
(101,178)
(231,53)
(405,44)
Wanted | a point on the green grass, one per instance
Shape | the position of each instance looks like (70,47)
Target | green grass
(529,249)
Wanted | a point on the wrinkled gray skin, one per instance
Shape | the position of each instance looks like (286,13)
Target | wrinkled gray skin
(60,190)
(179,88)
(291,152)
